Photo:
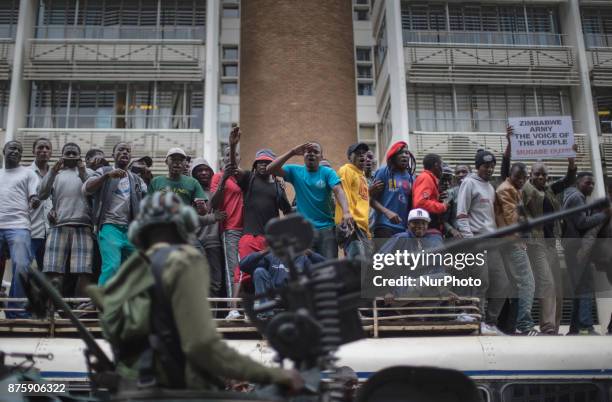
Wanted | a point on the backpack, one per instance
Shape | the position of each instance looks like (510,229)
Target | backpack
(138,322)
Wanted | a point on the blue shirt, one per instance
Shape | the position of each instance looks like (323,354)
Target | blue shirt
(313,192)
(396,196)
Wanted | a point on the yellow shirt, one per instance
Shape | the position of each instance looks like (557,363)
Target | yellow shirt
(355,187)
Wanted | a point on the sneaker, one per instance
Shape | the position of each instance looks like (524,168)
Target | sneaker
(529,332)
(466,318)
(490,330)
(233,315)
(587,331)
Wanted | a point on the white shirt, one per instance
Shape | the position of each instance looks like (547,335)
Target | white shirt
(18,185)
(38,216)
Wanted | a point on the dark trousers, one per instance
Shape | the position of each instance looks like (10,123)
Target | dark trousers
(325,242)
(214,255)
(581,275)
(37,249)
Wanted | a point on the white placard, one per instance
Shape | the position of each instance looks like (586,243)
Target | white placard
(546,137)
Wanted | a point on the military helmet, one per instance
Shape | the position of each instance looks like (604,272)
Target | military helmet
(163,208)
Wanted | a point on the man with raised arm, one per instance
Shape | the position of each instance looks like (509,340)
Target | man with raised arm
(71,233)
(314,185)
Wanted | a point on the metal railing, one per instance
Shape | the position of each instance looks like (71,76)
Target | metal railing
(8,32)
(150,142)
(595,40)
(467,125)
(104,121)
(6,55)
(117,60)
(460,148)
(406,315)
(461,125)
(502,38)
(97,32)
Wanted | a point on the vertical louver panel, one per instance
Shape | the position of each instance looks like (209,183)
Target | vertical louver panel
(9,14)
(49,104)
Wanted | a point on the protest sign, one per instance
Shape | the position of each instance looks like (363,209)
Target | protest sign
(542,137)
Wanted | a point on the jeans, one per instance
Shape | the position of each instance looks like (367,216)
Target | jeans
(581,276)
(325,242)
(18,243)
(555,267)
(497,286)
(114,249)
(520,273)
(265,280)
(545,284)
(37,251)
(360,246)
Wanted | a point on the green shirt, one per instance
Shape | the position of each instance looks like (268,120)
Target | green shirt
(186,187)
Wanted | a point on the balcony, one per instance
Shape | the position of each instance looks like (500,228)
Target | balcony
(150,142)
(6,56)
(599,55)
(460,148)
(86,53)
(493,58)
(606,153)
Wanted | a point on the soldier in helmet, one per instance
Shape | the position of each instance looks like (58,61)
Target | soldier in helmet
(174,342)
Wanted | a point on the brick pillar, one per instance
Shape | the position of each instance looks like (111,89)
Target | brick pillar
(297,76)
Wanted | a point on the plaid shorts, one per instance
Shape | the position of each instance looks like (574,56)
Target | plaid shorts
(76,241)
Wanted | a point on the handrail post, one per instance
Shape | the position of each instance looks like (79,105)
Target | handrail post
(375,316)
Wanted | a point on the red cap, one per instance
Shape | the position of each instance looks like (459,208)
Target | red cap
(395,149)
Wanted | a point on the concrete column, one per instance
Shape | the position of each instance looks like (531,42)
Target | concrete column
(397,73)
(20,89)
(582,97)
(297,76)
(211,85)
(584,110)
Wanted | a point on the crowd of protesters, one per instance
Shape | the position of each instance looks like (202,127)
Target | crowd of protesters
(71,219)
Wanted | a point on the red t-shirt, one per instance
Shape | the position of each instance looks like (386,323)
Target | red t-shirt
(232,202)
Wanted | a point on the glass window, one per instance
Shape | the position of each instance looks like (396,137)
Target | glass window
(597,26)
(230,70)
(364,89)
(122,19)
(363,54)
(231,12)
(101,105)
(364,71)
(480,108)
(380,51)
(4,101)
(229,88)
(230,53)
(48,104)
(529,392)
(92,105)
(472,23)
(367,133)
(603,99)
(9,14)
(361,15)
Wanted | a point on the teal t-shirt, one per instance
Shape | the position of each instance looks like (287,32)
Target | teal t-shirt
(186,187)
(313,192)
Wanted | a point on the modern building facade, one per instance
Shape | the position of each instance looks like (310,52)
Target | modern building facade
(444,76)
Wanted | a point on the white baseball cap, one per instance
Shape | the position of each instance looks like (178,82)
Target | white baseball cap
(419,214)
(176,151)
